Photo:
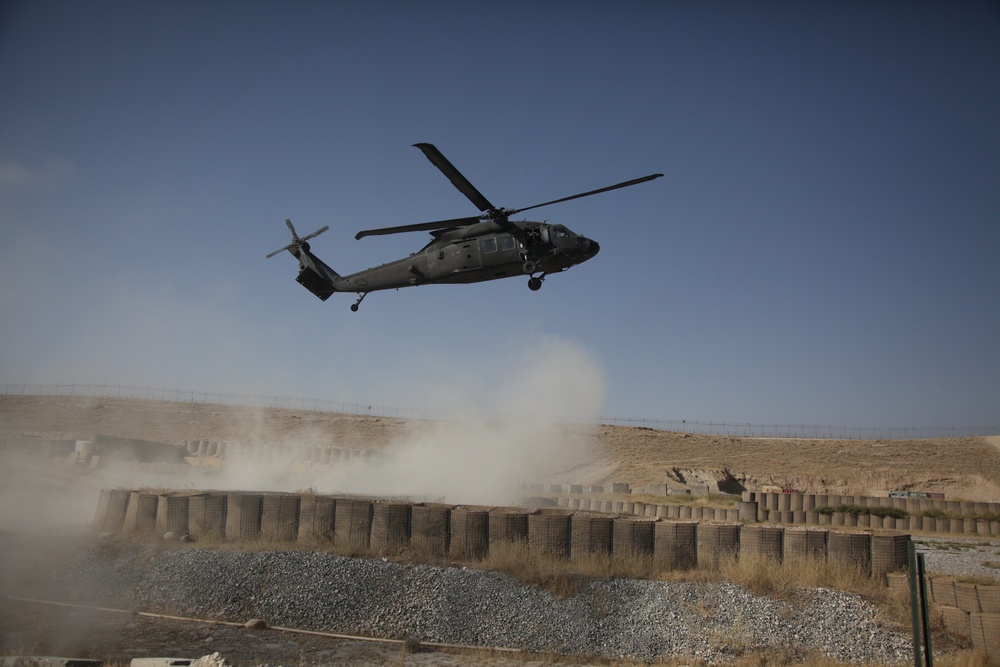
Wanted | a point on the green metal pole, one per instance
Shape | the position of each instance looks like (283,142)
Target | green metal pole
(928,655)
(911,557)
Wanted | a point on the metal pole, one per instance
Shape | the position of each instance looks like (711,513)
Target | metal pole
(911,557)
(928,656)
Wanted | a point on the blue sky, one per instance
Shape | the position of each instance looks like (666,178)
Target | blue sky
(822,249)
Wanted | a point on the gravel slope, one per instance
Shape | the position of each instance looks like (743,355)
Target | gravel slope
(641,620)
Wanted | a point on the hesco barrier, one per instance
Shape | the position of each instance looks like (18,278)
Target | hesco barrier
(316,518)
(590,533)
(508,524)
(279,518)
(853,548)
(804,543)
(352,524)
(207,516)
(243,515)
(172,513)
(390,532)
(888,551)
(717,541)
(632,537)
(763,541)
(470,533)
(140,517)
(970,611)
(359,524)
(548,532)
(802,509)
(111,508)
(675,544)
(430,528)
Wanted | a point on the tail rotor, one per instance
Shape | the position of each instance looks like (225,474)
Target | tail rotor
(298,243)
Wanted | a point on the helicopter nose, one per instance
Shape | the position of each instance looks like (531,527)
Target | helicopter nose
(592,248)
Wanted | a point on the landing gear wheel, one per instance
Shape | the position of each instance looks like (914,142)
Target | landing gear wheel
(529,268)
(535,284)
(361,297)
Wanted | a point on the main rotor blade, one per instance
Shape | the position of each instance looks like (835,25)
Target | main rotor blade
(419,227)
(587,194)
(456,177)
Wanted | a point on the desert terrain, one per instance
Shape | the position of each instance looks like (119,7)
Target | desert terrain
(961,468)
(45,507)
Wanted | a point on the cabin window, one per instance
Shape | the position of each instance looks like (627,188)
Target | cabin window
(507,242)
(488,244)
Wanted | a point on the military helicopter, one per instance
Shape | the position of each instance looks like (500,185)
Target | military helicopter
(464,250)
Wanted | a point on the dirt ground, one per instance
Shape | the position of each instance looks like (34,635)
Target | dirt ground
(961,468)
(45,509)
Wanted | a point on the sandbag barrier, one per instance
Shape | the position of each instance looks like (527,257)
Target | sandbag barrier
(930,515)
(364,524)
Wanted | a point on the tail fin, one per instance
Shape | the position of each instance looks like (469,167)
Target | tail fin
(314,274)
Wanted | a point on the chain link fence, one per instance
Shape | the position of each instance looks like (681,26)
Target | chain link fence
(742,430)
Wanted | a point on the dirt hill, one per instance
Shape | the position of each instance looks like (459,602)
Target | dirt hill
(962,468)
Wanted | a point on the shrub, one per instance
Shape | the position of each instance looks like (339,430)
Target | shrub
(857,510)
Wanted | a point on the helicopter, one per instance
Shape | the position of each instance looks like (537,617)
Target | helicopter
(462,251)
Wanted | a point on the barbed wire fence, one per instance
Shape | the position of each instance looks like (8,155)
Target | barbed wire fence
(732,429)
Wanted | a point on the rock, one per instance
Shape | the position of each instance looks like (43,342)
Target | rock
(212,660)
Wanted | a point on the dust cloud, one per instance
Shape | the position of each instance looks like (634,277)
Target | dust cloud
(534,418)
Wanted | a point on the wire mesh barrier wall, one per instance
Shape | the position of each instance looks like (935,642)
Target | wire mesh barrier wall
(363,524)
(732,429)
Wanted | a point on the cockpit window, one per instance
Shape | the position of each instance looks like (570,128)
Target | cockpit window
(559,232)
(488,244)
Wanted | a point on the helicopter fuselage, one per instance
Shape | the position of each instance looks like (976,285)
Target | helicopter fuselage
(476,253)
(466,250)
